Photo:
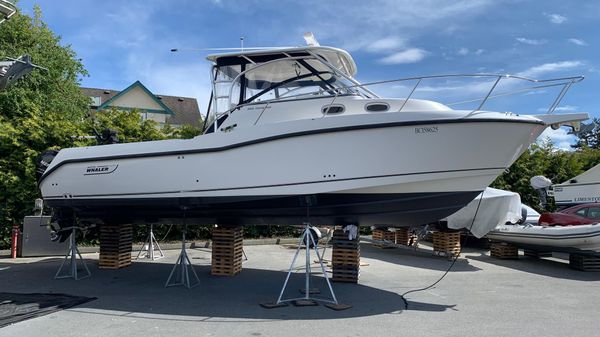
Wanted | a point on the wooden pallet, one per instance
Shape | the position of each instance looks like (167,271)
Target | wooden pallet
(227,250)
(446,243)
(114,261)
(383,235)
(503,250)
(584,262)
(347,275)
(405,237)
(115,246)
(345,258)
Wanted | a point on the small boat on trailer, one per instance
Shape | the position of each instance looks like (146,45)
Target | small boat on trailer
(583,239)
(291,133)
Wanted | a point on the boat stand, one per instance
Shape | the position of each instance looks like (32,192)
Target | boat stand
(308,299)
(71,256)
(184,264)
(148,248)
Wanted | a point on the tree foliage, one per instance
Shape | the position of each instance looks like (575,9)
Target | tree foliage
(46,109)
(39,111)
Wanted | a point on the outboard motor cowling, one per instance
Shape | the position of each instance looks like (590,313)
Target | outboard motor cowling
(43,161)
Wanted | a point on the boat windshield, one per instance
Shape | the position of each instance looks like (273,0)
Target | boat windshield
(292,79)
(287,78)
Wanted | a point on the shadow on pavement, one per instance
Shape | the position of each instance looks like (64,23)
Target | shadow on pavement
(542,266)
(416,259)
(138,290)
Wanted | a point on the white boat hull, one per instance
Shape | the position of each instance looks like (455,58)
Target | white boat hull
(361,172)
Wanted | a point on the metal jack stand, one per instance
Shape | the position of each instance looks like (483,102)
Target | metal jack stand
(148,247)
(183,262)
(72,256)
(307,300)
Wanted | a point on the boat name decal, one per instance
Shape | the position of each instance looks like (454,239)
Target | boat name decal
(102,169)
(586,199)
(427,129)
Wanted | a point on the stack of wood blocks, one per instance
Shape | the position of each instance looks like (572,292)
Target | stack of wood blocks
(227,250)
(404,236)
(503,250)
(115,246)
(345,258)
(383,234)
(446,243)
(584,262)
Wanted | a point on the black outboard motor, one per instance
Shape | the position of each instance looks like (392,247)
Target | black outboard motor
(107,136)
(43,161)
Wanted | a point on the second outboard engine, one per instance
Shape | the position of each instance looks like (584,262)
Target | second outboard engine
(43,161)
(107,136)
(541,185)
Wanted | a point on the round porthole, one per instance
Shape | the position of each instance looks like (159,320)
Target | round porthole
(377,107)
(332,109)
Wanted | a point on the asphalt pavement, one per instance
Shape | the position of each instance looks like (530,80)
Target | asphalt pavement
(481,296)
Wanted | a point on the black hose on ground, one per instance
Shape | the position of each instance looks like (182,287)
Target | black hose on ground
(449,268)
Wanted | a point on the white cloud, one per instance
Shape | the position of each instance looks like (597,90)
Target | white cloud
(556,18)
(549,68)
(386,44)
(411,55)
(479,51)
(560,138)
(463,51)
(564,108)
(578,42)
(532,42)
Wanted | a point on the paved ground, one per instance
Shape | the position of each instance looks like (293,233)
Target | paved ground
(480,297)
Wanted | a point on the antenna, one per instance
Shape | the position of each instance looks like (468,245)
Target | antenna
(242,42)
(310,39)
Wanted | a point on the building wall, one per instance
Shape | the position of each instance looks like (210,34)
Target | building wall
(136,98)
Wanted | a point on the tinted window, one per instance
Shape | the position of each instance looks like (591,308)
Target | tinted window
(581,212)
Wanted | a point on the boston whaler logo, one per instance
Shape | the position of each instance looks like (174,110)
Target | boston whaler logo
(427,129)
(101,169)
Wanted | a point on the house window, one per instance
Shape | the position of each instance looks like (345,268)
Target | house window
(95,101)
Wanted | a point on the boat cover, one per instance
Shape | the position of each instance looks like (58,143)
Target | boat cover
(497,208)
(590,176)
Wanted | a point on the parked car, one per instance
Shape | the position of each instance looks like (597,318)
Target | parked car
(573,216)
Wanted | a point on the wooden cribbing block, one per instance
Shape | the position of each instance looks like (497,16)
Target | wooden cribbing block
(404,236)
(584,262)
(446,243)
(227,250)
(345,258)
(503,250)
(115,246)
(381,235)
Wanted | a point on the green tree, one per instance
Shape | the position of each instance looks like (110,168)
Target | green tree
(40,111)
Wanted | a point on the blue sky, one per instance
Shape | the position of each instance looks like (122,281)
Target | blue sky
(124,41)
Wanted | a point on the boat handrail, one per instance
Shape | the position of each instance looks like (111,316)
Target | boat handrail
(565,82)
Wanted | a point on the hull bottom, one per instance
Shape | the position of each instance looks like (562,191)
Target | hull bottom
(398,209)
